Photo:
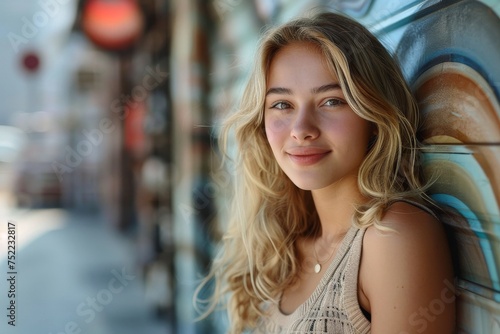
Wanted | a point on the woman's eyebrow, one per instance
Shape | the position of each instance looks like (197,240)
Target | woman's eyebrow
(317,90)
(279,90)
(326,88)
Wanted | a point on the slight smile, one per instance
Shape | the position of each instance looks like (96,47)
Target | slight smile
(306,156)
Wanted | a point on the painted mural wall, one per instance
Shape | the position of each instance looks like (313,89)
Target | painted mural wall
(450,54)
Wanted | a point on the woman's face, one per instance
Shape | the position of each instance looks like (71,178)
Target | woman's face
(315,136)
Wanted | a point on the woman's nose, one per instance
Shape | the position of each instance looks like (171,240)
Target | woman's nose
(304,126)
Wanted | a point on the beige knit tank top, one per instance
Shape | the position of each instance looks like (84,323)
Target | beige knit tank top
(333,306)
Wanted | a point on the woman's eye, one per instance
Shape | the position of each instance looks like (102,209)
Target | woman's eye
(280,105)
(333,102)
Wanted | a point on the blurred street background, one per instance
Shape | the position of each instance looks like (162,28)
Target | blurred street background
(98,173)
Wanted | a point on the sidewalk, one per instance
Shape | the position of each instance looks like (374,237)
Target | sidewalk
(74,275)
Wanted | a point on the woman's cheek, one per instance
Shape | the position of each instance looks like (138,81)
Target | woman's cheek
(276,127)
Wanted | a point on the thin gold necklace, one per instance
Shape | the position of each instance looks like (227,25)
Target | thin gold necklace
(319,264)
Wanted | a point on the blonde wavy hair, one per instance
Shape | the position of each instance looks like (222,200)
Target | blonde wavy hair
(259,258)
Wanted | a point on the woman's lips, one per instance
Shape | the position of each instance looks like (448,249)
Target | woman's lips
(307,156)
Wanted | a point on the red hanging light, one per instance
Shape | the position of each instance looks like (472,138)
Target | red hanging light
(112,24)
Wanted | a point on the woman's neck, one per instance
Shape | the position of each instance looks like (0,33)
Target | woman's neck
(336,205)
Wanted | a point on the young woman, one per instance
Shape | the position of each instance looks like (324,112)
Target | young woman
(330,228)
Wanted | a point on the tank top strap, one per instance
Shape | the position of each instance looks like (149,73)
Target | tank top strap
(418,205)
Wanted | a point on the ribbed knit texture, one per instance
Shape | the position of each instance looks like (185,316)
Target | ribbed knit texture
(333,307)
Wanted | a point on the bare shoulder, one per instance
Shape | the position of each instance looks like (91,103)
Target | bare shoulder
(405,269)
(414,233)
(408,223)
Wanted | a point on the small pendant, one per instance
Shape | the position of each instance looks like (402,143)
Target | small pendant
(317,268)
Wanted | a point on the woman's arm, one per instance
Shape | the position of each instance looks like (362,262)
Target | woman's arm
(407,275)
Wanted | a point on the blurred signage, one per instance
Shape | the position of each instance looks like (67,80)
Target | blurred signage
(112,24)
(30,62)
(135,139)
